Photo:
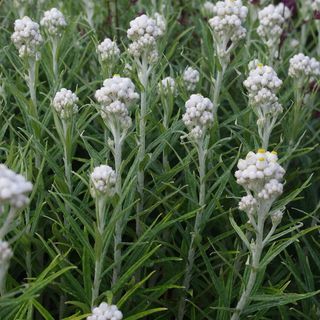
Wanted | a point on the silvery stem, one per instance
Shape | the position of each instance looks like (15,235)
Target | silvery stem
(119,223)
(99,257)
(7,223)
(143,77)
(197,227)
(55,59)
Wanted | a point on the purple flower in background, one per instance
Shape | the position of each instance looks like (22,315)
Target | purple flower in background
(316,15)
(255,2)
(292,5)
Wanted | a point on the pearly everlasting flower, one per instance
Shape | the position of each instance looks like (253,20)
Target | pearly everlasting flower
(209,9)
(54,22)
(262,85)
(103,179)
(27,38)
(276,217)
(144,32)
(108,50)
(5,254)
(13,188)
(105,312)
(272,22)
(248,204)
(116,95)
(168,85)
(260,173)
(160,21)
(65,103)
(191,77)
(226,24)
(117,88)
(198,116)
(303,67)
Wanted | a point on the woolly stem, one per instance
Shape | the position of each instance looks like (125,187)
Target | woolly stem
(166,118)
(55,59)
(217,87)
(143,77)
(119,223)
(7,223)
(67,146)
(197,227)
(98,248)
(33,111)
(257,249)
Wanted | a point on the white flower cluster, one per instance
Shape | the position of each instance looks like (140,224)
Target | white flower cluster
(168,85)
(260,172)
(5,253)
(27,38)
(209,9)
(191,77)
(13,188)
(54,22)
(303,67)
(144,32)
(261,175)
(315,5)
(161,22)
(65,103)
(272,22)
(116,95)
(262,85)
(105,312)
(108,50)
(229,15)
(103,179)
(198,116)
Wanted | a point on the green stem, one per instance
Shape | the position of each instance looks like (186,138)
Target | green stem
(197,228)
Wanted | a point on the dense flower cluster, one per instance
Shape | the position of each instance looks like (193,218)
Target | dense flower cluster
(262,85)
(161,22)
(27,38)
(168,85)
(105,312)
(54,22)
(13,188)
(228,17)
(315,5)
(103,179)
(144,32)
(108,50)
(303,67)
(261,175)
(272,22)
(191,77)
(198,116)
(65,103)
(116,95)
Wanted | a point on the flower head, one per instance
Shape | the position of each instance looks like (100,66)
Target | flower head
(144,32)
(272,22)
(304,67)
(260,173)
(105,312)
(168,85)
(191,77)
(27,38)
(228,17)
(13,188)
(262,85)
(108,50)
(103,179)
(198,116)
(54,22)
(65,103)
